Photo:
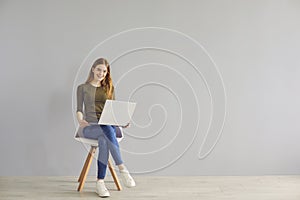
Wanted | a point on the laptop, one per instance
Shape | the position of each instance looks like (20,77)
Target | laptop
(117,113)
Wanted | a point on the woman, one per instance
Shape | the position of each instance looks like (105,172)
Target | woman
(93,94)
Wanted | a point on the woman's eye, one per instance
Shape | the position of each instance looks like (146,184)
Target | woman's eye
(100,70)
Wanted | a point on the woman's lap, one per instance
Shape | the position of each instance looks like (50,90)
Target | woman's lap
(92,132)
(95,131)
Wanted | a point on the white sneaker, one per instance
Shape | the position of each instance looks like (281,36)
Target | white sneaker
(127,179)
(101,190)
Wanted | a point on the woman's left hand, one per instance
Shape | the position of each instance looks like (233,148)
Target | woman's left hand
(126,126)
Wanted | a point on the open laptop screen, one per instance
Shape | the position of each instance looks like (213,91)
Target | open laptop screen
(118,113)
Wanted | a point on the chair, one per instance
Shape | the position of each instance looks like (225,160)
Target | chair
(89,158)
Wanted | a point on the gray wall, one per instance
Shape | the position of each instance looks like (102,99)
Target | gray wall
(245,69)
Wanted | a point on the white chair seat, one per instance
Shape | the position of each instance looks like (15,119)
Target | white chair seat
(93,142)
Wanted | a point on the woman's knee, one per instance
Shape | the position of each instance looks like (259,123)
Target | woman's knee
(109,132)
(90,132)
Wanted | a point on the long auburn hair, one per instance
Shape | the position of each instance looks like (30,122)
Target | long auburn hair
(107,81)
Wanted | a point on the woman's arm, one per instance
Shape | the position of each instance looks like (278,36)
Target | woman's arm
(79,114)
(126,126)
(81,121)
(113,97)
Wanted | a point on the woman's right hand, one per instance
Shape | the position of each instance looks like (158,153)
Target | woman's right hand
(83,123)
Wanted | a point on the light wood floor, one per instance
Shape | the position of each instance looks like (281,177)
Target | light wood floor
(157,187)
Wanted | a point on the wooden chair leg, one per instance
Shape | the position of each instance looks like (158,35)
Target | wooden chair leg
(114,175)
(86,168)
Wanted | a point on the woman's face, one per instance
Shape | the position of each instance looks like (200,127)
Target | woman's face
(100,72)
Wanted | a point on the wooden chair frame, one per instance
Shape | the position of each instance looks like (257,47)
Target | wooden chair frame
(86,168)
(90,156)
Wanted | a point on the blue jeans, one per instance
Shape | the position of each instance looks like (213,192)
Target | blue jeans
(107,142)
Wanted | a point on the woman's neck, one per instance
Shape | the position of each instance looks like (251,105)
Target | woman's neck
(96,83)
